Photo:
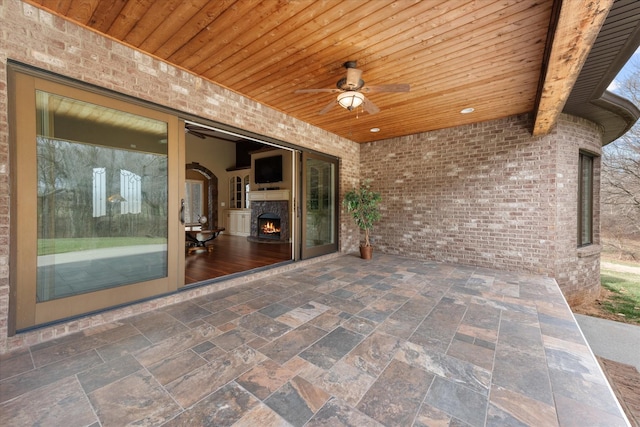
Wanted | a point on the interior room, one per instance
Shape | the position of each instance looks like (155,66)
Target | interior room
(228,179)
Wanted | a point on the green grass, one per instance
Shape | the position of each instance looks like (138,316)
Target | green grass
(626,298)
(58,246)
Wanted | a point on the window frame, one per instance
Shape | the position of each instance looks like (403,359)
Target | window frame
(585,184)
(28,312)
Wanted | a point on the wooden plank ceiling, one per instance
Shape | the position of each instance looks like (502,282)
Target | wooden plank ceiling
(455,54)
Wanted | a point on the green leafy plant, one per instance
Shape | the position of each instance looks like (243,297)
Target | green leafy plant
(364,206)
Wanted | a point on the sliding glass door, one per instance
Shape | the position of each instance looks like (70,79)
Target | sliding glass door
(94,203)
(320,205)
(97,182)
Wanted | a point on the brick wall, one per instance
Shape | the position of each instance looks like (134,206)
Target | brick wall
(577,270)
(490,195)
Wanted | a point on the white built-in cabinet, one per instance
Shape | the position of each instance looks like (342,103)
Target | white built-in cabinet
(238,215)
(238,222)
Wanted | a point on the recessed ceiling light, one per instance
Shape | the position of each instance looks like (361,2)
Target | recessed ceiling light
(375,129)
(467,110)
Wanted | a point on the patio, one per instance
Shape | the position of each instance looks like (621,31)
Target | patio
(393,341)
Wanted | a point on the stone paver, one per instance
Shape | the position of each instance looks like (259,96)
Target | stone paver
(387,342)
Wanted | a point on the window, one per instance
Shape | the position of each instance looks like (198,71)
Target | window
(585,199)
(193,201)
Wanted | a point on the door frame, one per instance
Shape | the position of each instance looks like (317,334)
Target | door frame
(228,133)
(333,246)
(28,312)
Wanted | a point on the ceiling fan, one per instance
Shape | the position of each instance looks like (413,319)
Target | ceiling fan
(195,131)
(351,90)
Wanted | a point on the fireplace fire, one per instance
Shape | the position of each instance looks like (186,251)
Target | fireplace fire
(269,226)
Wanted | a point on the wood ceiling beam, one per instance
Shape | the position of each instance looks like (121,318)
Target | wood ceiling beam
(574,27)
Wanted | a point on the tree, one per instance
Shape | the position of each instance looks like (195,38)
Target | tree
(620,190)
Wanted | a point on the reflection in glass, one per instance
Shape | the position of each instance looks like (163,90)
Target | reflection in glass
(320,197)
(102,197)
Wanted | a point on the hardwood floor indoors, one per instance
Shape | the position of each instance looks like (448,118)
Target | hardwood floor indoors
(232,254)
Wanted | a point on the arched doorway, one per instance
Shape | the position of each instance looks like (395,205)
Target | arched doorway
(211,191)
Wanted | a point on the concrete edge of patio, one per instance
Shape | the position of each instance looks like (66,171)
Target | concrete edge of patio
(612,340)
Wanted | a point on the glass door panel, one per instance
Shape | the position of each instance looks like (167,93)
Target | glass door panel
(102,202)
(97,213)
(320,205)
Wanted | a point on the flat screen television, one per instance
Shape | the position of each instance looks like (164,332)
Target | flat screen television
(267,169)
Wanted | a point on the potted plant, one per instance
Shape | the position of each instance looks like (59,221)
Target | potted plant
(363,205)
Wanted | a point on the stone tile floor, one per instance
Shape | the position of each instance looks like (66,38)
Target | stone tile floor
(388,342)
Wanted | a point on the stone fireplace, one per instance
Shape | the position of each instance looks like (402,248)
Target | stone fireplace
(269,221)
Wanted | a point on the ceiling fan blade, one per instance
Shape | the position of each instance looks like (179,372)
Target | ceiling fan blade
(194,132)
(317,90)
(370,107)
(198,134)
(326,109)
(387,88)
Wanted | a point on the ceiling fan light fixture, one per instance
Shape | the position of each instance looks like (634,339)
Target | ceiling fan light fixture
(350,99)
